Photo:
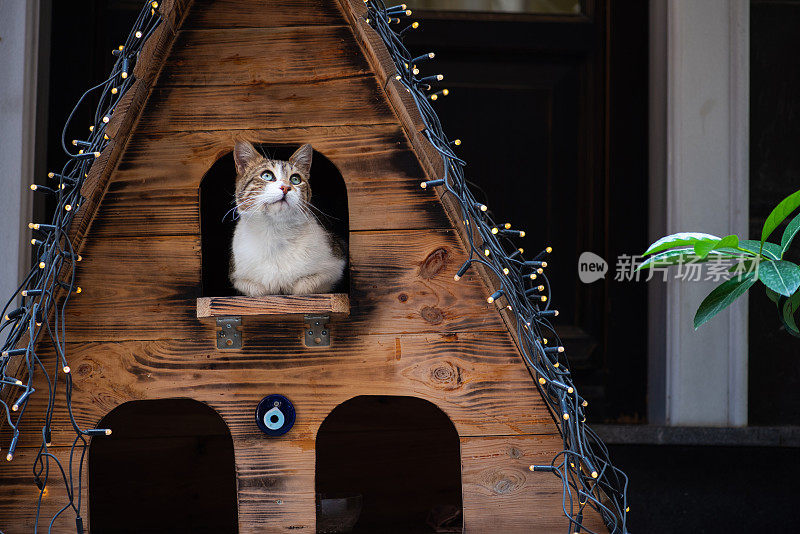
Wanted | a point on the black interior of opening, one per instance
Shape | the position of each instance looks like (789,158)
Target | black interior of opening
(401,454)
(168,467)
(217,219)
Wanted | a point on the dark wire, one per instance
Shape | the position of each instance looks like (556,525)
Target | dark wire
(27,315)
(584,467)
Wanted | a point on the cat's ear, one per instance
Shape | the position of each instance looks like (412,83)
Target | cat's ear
(244,154)
(302,158)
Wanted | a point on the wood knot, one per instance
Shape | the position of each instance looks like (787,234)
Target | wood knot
(514,453)
(434,263)
(84,369)
(432,314)
(503,482)
(446,375)
(402,297)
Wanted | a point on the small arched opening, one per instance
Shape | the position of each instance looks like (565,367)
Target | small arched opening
(218,218)
(168,467)
(401,455)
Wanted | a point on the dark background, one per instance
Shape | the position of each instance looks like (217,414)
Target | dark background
(774,174)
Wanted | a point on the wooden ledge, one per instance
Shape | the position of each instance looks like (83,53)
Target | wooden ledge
(321,304)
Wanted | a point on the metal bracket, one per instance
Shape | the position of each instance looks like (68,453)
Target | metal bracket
(228,334)
(317,333)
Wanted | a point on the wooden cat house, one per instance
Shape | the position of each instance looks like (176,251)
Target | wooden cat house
(406,386)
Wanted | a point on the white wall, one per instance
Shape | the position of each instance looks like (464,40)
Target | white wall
(699,182)
(19,33)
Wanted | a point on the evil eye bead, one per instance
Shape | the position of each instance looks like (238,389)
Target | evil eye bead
(275,415)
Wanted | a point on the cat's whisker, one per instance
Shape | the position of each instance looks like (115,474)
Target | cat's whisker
(309,214)
(233,211)
(313,207)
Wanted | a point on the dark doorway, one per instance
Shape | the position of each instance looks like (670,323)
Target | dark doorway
(217,220)
(400,454)
(168,467)
(552,112)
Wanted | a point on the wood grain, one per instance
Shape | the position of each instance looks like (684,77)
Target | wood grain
(263,55)
(276,484)
(213,14)
(279,305)
(334,102)
(400,281)
(473,378)
(502,495)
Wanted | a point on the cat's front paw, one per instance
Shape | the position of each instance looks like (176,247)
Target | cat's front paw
(311,284)
(250,288)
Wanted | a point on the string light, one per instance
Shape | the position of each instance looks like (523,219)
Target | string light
(431,183)
(494,296)
(462,271)
(55,270)
(603,489)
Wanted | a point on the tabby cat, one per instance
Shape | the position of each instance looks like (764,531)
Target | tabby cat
(279,247)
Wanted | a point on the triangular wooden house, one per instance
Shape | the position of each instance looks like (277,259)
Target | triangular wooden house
(424,402)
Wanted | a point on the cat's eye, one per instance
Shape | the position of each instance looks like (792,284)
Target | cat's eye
(295,179)
(268,176)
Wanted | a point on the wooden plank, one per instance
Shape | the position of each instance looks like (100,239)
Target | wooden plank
(476,379)
(212,14)
(403,281)
(502,495)
(274,305)
(373,48)
(263,55)
(400,281)
(173,11)
(340,101)
(276,484)
(153,53)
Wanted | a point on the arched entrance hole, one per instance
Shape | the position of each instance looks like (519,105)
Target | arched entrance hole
(168,467)
(401,454)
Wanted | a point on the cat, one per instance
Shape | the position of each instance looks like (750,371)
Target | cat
(279,247)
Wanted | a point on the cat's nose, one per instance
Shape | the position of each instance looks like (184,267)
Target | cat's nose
(285,188)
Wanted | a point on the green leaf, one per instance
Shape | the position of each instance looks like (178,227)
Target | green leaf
(786,310)
(702,248)
(771,295)
(678,240)
(780,276)
(721,297)
(679,255)
(789,233)
(792,304)
(781,211)
(770,250)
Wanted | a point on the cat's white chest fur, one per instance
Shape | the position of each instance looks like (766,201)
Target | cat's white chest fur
(273,256)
